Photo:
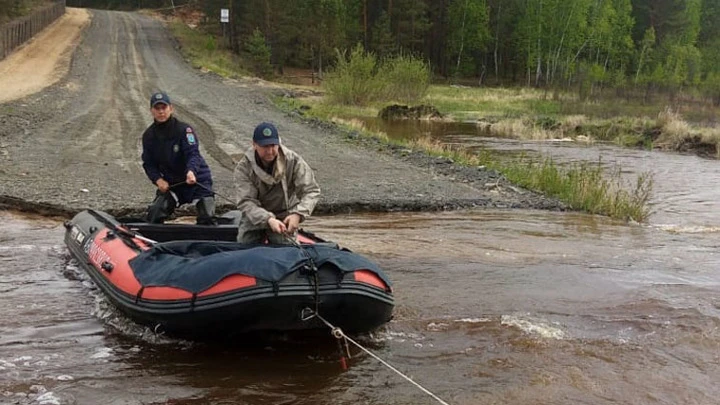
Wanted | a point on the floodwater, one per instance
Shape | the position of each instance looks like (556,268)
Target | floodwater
(493,307)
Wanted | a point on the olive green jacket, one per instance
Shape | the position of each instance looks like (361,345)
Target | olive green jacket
(291,189)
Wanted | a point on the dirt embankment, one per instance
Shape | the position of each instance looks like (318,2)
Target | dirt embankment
(45,59)
(76,143)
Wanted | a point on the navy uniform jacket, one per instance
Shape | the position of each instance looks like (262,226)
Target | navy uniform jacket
(170,149)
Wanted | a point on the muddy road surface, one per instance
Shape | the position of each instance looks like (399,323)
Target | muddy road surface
(76,144)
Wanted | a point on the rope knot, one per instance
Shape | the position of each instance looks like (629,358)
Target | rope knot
(337,333)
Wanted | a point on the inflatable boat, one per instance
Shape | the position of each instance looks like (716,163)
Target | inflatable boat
(195,280)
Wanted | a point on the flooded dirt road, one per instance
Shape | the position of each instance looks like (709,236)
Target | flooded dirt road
(511,307)
(493,306)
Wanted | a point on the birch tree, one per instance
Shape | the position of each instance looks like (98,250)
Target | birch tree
(646,46)
(468,30)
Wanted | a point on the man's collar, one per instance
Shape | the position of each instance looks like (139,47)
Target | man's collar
(269,168)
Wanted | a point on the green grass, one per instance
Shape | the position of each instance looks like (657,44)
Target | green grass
(466,103)
(324,109)
(586,186)
(204,52)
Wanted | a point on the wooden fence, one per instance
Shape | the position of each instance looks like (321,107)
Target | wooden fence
(16,33)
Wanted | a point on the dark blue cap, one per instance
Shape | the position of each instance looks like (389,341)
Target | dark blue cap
(159,97)
(266,134)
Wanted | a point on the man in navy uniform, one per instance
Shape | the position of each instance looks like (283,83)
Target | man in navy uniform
(172,161)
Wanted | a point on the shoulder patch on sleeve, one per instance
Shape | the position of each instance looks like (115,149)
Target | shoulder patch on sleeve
(190,138)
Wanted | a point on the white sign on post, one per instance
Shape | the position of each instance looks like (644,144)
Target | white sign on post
(224,15)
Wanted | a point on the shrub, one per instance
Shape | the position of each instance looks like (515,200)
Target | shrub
(354,79)
(259,54)
(210,44)
(360,79)
(407,79)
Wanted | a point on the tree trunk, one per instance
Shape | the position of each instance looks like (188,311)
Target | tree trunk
(462,40)
(365,26)
(390,23)
(538,69)
(640,63)
(497,43)
(267,18)
(556,60)
(320,65)
(231,29)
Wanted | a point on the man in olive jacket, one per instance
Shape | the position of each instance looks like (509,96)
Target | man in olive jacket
(277,189)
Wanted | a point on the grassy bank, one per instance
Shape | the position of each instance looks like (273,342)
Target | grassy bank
(524,113)
(204,52)
(508,112)
(585,187)
(532,114)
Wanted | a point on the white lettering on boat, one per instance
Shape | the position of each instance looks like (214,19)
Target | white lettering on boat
(77,235)
(97,255)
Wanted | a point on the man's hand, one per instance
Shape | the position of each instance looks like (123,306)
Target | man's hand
(162,185)
(190,178)
(276,225)
(291,222)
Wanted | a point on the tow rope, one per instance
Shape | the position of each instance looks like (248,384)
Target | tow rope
(308,269)
(337,333)
(306,314)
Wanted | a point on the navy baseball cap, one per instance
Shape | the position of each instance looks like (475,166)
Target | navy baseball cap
(159,97)
(266,134)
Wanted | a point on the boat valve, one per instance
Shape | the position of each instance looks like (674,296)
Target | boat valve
(107,266)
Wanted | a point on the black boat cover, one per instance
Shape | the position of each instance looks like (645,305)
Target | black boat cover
(198,265)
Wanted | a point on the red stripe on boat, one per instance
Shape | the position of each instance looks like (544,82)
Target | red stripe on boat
(230,283)
(234,282)
(165,293)
(304,239)
(368,277)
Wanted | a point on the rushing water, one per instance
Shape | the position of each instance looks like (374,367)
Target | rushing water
(493,307)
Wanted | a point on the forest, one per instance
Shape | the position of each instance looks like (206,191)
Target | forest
(588,46)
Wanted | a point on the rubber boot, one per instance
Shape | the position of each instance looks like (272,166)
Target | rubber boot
(249,233)
(161,208)
(205,211)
